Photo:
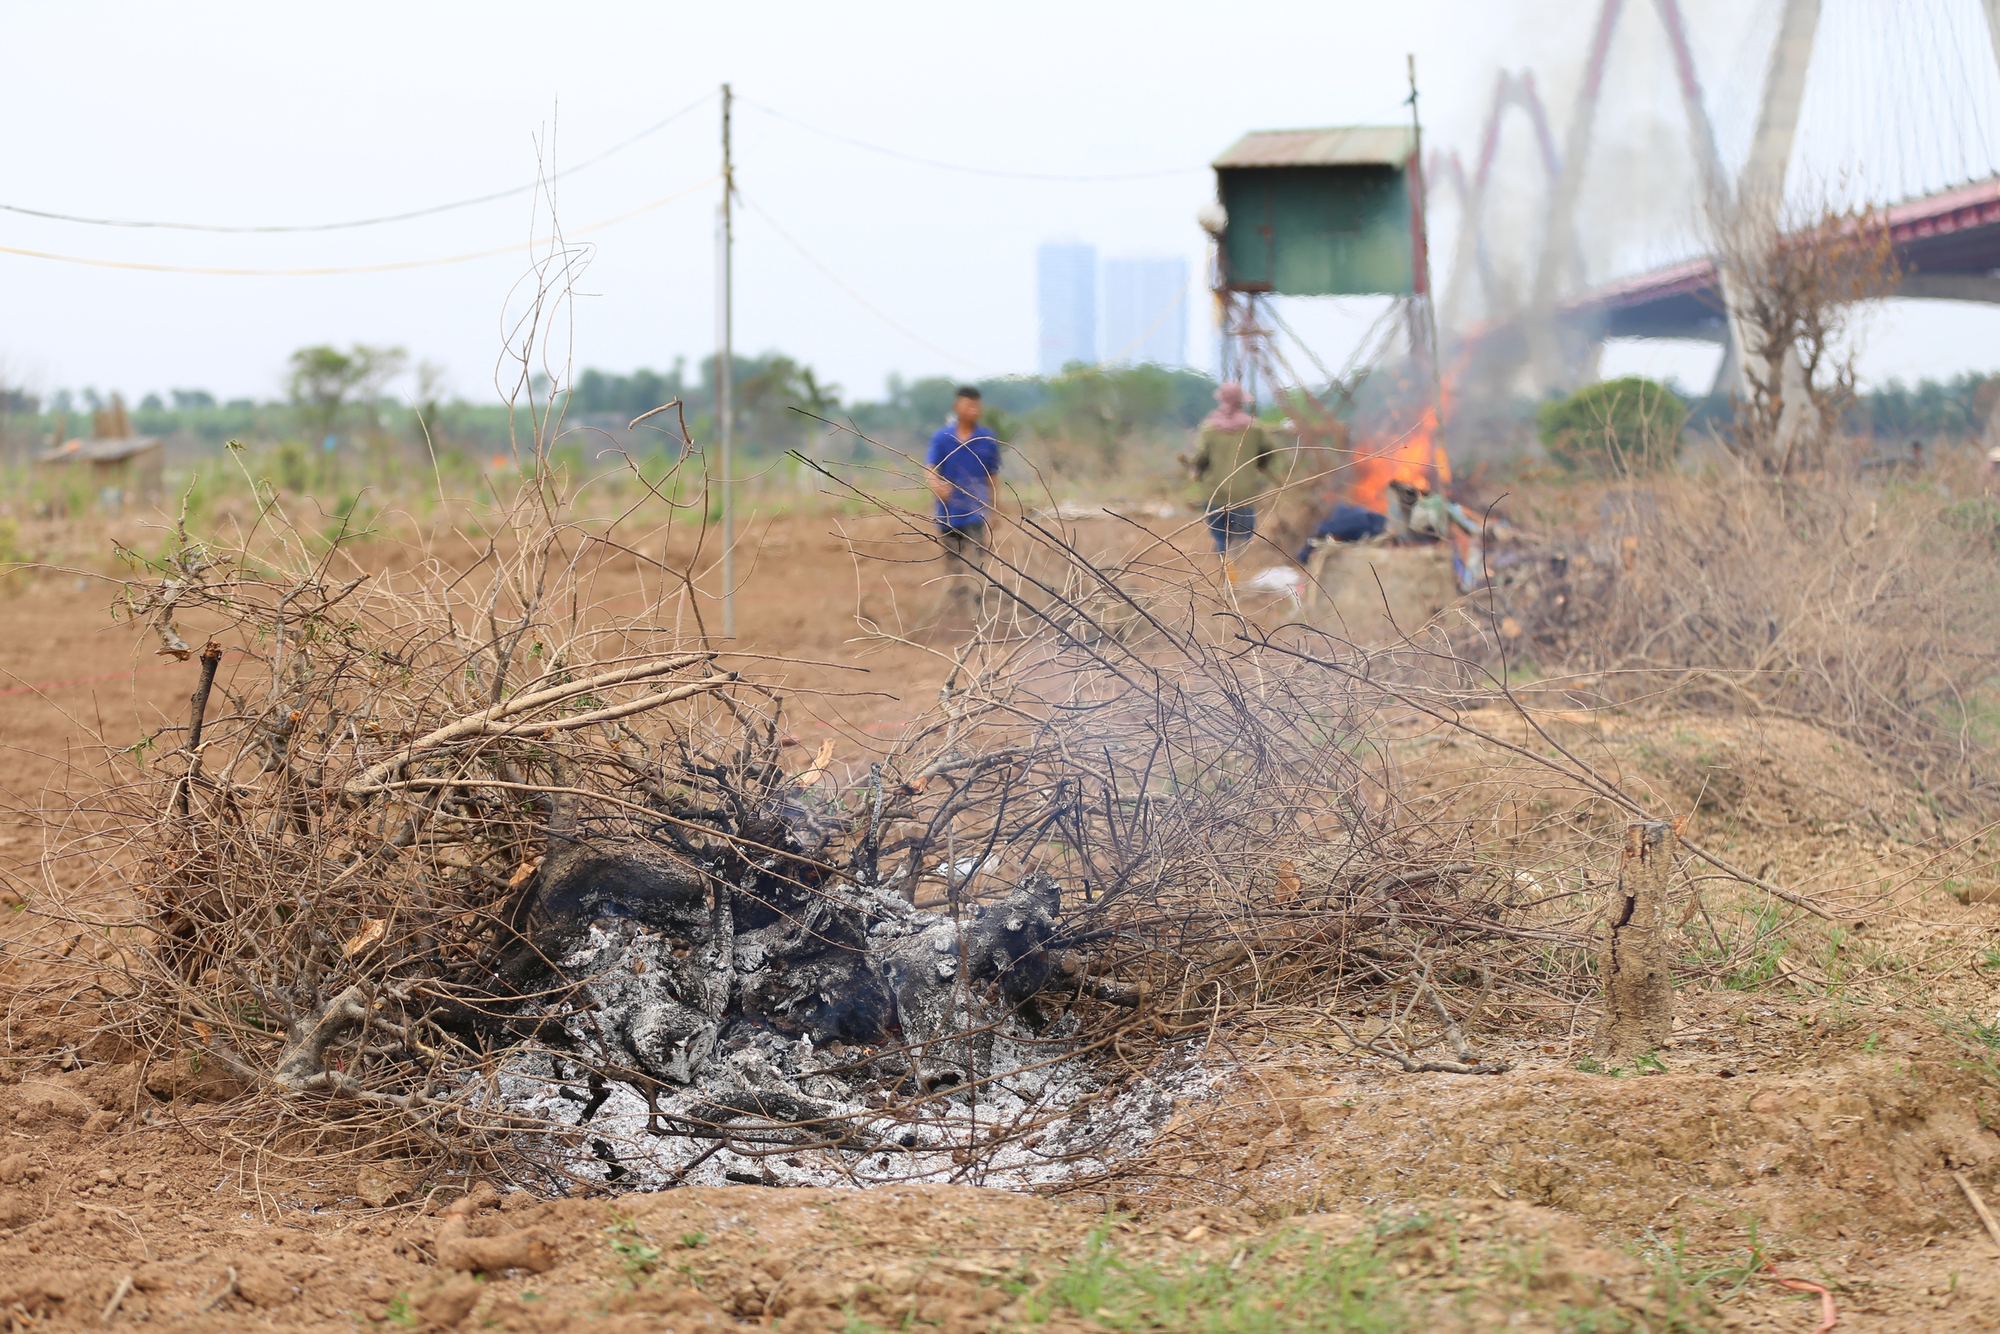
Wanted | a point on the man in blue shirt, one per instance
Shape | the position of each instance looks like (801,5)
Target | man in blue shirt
(962,465)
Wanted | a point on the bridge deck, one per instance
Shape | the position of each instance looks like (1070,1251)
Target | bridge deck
(1951,239)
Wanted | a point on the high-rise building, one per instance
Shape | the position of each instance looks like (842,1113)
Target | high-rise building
(1145,311)
(1066,293)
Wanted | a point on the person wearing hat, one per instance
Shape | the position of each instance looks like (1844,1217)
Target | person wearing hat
(1232,468)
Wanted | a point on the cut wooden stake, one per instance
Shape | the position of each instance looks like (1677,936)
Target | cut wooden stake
(1978,1206)
(1638,986)
(117,1298)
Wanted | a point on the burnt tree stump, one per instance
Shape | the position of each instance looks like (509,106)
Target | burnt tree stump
(1638,987)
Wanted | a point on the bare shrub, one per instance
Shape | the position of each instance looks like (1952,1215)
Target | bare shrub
(1870,612)
(314,875)
(1793,297)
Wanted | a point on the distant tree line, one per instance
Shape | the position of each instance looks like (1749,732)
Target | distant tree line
(1957,408)
(1092,412)
(782,404)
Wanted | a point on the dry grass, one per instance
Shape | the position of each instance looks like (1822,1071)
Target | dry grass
(1864,608)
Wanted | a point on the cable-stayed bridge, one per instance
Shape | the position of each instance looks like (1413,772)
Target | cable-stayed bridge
(1946,239)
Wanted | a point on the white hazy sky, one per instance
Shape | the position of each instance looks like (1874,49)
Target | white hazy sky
(260,114)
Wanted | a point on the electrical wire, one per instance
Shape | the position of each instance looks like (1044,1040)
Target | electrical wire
(970,171)
(861,300)
(359,268)
(363,222)
(335,270)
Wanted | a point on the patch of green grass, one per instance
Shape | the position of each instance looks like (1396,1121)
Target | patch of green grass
(1644,1063)
(1688,1292)
(1381,1282)
(1885,962)
(1738,1273)
(1765,953)
(1598,1320)
(1979,1041)
(1763,966)
(631,1247)
(1293,1281)
(1525,1266)
(400,1312)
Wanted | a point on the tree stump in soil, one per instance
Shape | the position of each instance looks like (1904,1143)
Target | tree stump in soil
(1638,988)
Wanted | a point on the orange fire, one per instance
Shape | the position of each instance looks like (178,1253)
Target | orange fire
(1415,457)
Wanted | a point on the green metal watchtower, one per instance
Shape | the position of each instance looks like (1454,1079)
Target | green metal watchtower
(1327,212)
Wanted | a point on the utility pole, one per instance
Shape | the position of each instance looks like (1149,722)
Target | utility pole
(725,388)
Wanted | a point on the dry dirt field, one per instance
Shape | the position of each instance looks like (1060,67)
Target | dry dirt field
(1806,1124)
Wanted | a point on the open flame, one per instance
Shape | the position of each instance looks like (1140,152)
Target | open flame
(1415,456)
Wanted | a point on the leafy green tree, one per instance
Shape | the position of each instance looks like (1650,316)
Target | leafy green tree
(627,395)
(765,399)
(1629,425)
(1098,409)
(324,381)
(1958,407)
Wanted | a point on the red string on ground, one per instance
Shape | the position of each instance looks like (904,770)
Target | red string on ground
(1828,1315)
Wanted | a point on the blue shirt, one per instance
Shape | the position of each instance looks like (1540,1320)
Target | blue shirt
(970,466)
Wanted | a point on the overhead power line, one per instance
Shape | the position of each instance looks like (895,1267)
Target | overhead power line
(359,268)
(393,266)
(358,222)
(969,170)
(859,299)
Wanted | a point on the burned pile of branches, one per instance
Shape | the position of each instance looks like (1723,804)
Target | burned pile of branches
(454,863)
